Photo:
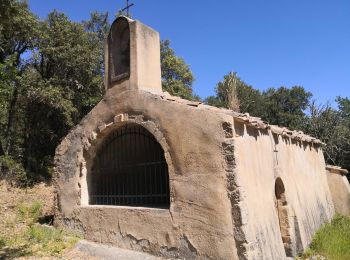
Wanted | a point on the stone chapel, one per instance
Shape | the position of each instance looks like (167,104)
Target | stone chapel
(151,172)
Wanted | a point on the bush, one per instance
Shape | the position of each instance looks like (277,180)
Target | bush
(30,213)
(13,171)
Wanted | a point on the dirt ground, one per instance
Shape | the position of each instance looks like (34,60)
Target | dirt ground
(11,199)
(11,226)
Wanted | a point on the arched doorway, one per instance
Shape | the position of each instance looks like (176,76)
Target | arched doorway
(130,170)
(283,217)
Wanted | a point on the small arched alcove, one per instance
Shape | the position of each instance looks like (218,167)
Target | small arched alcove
(130,169)
(283,217)
(119,50)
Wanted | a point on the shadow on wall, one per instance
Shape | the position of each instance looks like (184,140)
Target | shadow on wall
(289,224)
(282,213)
(241,128)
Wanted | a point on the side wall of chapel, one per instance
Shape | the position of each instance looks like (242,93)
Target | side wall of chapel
(262,157)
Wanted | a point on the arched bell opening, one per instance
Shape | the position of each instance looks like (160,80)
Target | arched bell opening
(283,217)
(119,50)
(130,169)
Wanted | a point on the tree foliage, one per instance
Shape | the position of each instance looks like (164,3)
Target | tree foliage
(233,93)
(286,106)
(51,76)
(18,28)
(332,126)
(177,77)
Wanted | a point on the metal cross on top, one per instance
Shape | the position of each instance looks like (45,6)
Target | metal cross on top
(127,7)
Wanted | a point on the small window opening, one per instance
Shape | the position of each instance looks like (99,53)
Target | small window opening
(283,218)
(130,170)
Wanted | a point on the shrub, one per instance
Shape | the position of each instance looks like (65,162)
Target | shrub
(13,171)
(30,213)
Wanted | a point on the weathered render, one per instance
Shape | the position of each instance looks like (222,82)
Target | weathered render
(239,188)
(340,189)
(266,158)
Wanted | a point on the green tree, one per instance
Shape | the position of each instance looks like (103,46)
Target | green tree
(58,82)
(281,106)
(332,127)
(344,109)
(63,83)
(18,29)
(235,94)
(285,107)
(177,77)
(98,24)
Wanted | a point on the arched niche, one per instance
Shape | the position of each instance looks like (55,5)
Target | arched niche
(129,169)
(283,216)
(119,50)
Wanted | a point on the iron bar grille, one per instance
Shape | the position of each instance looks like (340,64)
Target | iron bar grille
(130,170)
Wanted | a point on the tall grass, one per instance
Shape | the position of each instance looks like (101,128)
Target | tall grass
(332,240)
(30,213)
(49,240)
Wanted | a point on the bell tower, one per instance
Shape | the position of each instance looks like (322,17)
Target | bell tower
(132,56)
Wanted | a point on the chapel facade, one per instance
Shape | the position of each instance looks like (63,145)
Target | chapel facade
(180,179)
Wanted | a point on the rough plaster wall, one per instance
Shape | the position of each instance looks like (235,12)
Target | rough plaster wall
(258,163)
(198,224)
(340,190)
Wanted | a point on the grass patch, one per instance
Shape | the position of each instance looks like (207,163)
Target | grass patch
(47,240)
(25,237)
(29,213)
(2,242)
(332,240)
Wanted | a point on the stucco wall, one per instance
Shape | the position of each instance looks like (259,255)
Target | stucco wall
(340,190)
(222,169)
(198,224)
(260,158)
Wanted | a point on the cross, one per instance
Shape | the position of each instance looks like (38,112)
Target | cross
(127,8)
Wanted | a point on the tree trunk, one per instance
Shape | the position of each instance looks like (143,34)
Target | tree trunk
(1,149)
(10,120)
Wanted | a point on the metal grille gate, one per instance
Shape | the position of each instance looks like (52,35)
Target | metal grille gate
(130,170)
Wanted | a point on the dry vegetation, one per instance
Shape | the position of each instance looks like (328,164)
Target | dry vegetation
(20,233)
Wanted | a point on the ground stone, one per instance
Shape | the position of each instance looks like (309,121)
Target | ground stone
(104,252)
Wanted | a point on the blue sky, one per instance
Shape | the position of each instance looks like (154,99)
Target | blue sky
(269,43)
